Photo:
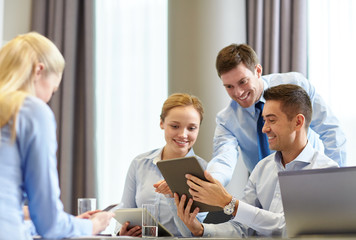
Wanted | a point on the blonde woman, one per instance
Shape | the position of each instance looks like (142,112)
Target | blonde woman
(181,117)
(31,69)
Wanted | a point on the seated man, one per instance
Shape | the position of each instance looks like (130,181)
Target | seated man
(287,114)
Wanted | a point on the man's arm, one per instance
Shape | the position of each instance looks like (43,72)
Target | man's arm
(263,221)
(227,229)
(225,154)
(325,123)
(210,192)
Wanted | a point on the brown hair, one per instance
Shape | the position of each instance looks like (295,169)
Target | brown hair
(294,100)
(229,57)
(181,100)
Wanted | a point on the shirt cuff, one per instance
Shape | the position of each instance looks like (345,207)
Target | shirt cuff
(83,226)
(245,214)
(208,230)
(221,230)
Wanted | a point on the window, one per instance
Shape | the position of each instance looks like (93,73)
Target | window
(332,48)
(131,86)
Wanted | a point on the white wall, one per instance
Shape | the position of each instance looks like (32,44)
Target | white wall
(197,30)
(15,18)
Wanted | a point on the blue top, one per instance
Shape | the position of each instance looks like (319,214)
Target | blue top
(141,176)
(28,167)
(260,211)
(236,130)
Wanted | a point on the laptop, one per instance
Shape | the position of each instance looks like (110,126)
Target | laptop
(319,201)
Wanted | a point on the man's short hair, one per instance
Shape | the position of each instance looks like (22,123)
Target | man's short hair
(229,57)
(294,100)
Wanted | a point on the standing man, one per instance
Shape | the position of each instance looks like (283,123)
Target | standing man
(236,129)
(287,114)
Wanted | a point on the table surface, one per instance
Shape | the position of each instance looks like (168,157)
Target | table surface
(309,237)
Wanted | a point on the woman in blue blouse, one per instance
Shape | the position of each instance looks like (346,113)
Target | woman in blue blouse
(181,117)
(31,69)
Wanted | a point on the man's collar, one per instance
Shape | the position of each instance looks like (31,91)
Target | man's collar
(305,156)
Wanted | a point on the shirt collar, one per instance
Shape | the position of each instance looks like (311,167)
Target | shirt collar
(262,99)
(265,86)
(304,157)
(158,155)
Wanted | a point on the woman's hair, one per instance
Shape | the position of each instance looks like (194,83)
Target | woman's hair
(18,61)
(182,100)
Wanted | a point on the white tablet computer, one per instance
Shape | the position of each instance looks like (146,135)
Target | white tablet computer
(174,170)
(134,216)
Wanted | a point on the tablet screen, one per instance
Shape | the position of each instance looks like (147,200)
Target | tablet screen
(174,170)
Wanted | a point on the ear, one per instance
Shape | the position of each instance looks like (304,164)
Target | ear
(39,68)
(161,124)
(300,120)
(258,70)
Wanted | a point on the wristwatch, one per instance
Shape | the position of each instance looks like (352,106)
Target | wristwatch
(230,207)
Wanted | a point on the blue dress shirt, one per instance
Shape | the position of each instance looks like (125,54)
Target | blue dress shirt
(260,211)
(28,167)
(142,174)
(236,130)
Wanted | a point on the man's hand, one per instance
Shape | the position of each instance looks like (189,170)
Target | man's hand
(134,231)
(162,187)
(210,192)
(189,219)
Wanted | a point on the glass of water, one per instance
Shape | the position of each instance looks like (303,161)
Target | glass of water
(149,220)
(86,204)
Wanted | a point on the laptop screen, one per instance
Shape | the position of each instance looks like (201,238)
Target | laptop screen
(319,201)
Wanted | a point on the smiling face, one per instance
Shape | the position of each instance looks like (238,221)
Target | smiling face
(280,131)
(242,85)
(181,128)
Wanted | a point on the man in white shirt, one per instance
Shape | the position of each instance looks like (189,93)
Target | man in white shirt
(287,114)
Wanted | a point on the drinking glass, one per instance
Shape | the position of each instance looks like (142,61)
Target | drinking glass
(86,204)
(149,220)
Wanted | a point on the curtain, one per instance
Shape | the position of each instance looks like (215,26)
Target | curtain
(331,47)
(277,31)
(131,86)
(70,25)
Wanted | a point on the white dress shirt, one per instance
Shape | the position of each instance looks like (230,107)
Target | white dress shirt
(260,211)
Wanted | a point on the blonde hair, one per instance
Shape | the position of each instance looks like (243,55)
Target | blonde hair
(18,60)
(182,100)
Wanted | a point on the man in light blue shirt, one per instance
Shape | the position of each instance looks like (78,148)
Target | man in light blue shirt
(287,114)
(236,131)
